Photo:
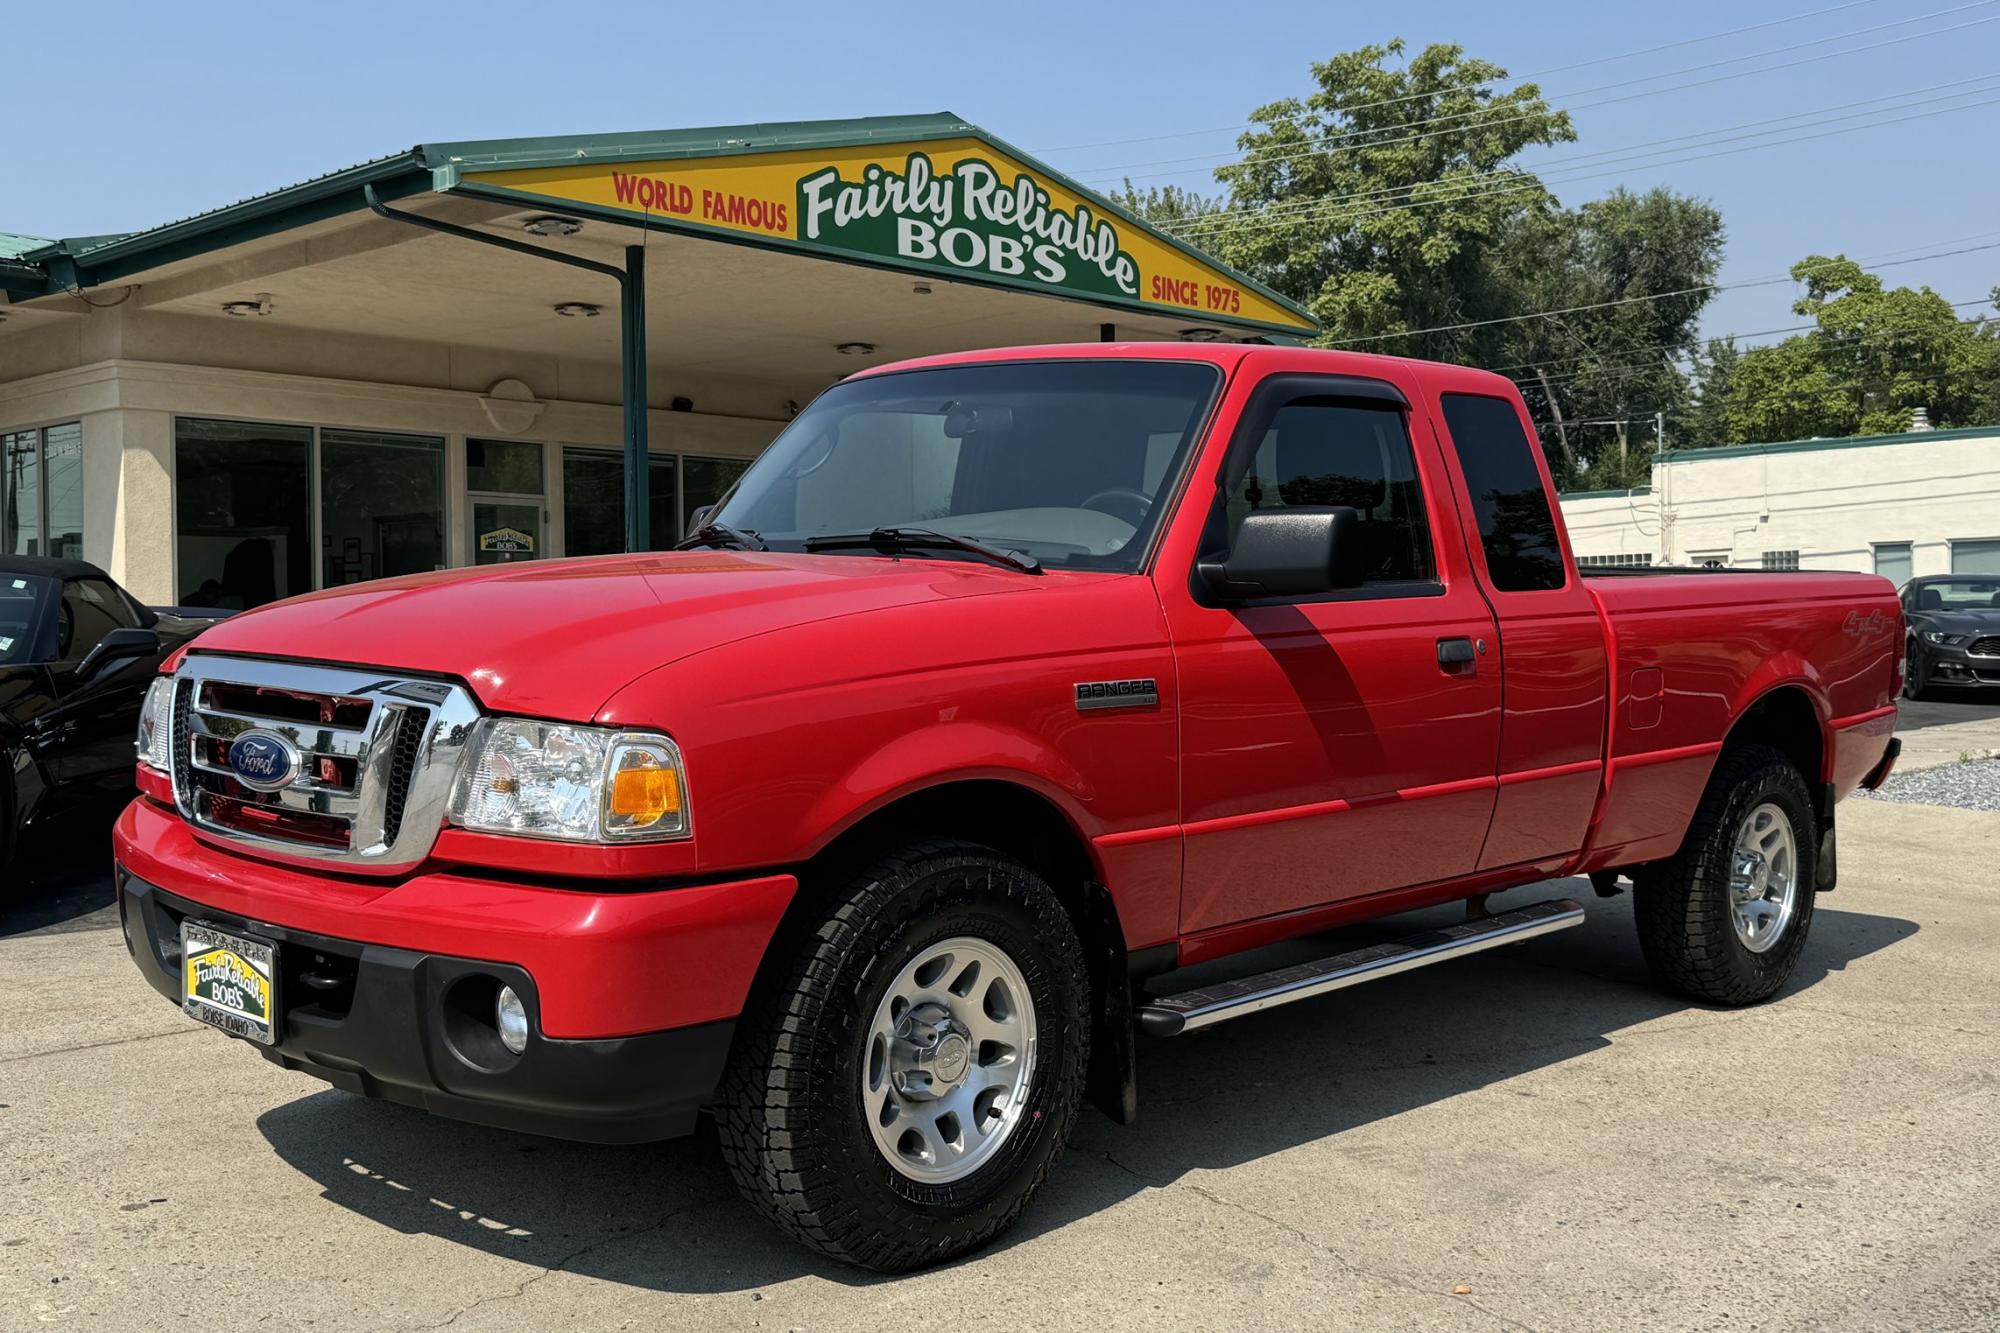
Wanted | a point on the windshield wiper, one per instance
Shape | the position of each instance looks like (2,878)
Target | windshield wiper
(891,540)
(721,534)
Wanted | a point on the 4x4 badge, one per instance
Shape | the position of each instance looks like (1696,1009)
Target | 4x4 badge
(1117,694)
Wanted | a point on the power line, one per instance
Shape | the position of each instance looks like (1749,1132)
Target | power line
(1568,162)
(1662,349)
(1630,300)
(1557,69)
(1326,144)
(1282,215)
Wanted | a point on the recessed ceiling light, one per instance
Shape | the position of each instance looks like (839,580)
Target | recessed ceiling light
(856,349)
(579,310)
(552,226)
(1203,336)
(261,305)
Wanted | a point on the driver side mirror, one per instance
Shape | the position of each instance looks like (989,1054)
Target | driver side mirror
(119,645)
(698,518)
(1295,552)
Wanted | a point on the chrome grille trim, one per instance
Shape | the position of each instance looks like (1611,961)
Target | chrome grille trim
(380,828)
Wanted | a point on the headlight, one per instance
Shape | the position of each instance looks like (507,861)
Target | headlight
(1942,639)
(154,742)
(582,784)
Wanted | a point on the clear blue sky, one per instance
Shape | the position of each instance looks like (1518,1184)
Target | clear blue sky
(165,110)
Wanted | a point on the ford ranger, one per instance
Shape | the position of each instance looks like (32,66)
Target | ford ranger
(882,820)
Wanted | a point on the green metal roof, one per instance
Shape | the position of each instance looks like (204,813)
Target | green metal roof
(1814,446)
(13,244)
(92,261)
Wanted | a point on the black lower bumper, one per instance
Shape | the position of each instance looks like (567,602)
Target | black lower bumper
(408,1027)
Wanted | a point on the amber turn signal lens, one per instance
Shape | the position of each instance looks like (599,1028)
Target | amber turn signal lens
(645,795)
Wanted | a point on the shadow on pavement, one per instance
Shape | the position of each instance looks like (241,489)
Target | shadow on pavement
(61,876)
(666,1217)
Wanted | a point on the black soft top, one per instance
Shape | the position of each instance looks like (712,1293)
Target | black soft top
(48,567)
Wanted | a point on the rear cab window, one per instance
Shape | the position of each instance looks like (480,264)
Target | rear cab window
(1510,503)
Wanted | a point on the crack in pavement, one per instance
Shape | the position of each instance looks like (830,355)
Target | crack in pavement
(562,1264)
(100,1045)
(1346,1264)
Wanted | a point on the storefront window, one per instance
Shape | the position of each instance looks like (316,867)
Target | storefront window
(41,492)
(381,505)
(62,479)
(243,512)
(512,467)
(594,501)
(703,481)
(21,493)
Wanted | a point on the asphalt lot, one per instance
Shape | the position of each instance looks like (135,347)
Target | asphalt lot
(1536,1124)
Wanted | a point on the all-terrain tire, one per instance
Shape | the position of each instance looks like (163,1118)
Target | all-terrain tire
(791,1121)
(1682,904)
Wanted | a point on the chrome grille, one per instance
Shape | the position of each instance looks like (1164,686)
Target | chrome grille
(373,758)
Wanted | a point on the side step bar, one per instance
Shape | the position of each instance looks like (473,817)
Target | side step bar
(1171,1015)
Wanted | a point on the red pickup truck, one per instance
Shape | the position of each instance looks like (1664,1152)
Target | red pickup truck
(878,821)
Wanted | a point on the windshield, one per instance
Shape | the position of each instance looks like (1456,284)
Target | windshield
(1066,461)
(1958,594)
(20,612)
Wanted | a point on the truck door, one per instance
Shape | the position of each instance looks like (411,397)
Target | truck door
(1553,706)
(1342,744)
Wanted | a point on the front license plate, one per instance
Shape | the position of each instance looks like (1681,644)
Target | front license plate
(230,981)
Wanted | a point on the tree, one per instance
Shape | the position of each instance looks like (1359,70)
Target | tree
(1376,201)
(1875,356)
(1713,372)
(1390,203)
(1631,274)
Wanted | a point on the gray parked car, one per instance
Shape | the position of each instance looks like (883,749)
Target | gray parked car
(1954,632)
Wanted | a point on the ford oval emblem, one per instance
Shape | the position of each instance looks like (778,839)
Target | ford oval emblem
(263,760)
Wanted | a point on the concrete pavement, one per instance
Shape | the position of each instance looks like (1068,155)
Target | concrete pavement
(1536,1125)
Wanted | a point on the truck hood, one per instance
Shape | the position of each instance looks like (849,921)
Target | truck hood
(558,638)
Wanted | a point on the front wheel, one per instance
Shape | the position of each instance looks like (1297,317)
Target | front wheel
(1725,919)
(1916,674)
(904,1084)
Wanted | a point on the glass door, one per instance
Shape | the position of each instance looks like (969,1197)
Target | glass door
(504,489)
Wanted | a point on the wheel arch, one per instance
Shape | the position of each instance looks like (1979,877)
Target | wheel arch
(1790,718)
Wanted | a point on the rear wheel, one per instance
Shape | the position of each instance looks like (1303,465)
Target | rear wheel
(1725,919)
(904,1085)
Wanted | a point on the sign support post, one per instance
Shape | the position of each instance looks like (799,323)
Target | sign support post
(632,353)
(631,282)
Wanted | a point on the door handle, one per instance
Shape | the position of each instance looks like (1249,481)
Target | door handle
(1455,652)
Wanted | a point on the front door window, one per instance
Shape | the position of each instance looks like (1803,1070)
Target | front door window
(503,481)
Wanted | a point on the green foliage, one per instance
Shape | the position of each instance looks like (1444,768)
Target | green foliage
(1875,355)
(1389,199)
(1345,203)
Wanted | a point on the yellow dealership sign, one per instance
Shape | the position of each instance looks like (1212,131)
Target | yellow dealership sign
(959,207)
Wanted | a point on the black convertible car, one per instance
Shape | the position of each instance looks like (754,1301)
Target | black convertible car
(1954,631)
(76,655)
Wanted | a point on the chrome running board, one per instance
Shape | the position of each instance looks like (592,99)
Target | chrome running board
(1171,1015)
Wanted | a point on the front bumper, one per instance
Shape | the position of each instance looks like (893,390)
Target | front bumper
(631,996)
(1953,667)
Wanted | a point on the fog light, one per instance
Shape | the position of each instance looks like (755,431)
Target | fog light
(511,1017)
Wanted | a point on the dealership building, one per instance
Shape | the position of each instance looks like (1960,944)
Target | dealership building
(1921,502)
(504,350)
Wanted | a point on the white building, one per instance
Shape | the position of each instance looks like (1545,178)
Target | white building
(1925,502)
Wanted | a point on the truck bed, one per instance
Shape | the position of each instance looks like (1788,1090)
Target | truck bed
(1690,650)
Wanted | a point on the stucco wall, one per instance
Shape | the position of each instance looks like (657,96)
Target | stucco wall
(1830,501)
(126,376)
